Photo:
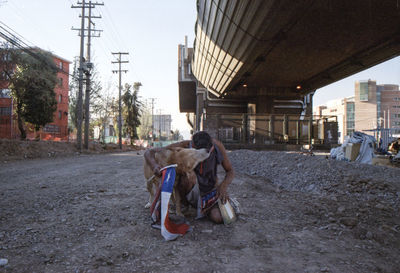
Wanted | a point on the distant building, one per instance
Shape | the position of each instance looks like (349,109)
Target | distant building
(344,110)
(376,106)
(56,129)
(372,107)
(162,125)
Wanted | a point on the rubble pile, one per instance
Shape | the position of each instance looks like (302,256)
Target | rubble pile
(30,149)
(320,174)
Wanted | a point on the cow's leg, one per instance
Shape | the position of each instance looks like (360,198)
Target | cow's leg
(177,199)
(150,188)
(185,185)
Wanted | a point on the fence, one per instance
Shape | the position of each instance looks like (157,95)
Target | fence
(272,129)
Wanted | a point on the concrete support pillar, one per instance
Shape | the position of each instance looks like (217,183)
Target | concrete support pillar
(272,128)
(200,106)
(245,129)
(285,125)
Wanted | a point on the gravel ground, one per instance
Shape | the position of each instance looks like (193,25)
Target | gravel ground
(320,174)
(299,214)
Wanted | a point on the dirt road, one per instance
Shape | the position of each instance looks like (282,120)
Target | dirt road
(86,214)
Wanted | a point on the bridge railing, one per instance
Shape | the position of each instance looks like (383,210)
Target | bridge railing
(265,129)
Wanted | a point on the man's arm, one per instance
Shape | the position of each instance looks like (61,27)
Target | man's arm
(150,155)
(229,173)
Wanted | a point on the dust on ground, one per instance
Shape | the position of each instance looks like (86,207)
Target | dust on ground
(85,213)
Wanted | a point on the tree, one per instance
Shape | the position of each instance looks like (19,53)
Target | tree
(176,135)
(131,110)
(32,88)
(144,129)
(105,111)
(95,95)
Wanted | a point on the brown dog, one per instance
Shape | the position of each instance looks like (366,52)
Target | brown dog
(186,159)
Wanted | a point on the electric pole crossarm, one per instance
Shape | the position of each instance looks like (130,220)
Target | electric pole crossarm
(93,17)
(98,4)
(93,31)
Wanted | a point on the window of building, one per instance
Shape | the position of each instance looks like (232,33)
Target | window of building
(5,111)
(396,99)
(396,115)
(396,106)
(350,131)
(363,91)
(59,115)
(61,65)
(59,98)
(60,82)
(51,128)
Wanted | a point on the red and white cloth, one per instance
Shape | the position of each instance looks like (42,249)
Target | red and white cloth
(160,207)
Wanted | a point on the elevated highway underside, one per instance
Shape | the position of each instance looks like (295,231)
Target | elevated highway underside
(280,45)
(269,56)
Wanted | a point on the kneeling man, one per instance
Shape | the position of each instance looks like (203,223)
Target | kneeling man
(202,188)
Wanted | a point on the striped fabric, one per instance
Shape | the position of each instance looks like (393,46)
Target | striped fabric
(159,209)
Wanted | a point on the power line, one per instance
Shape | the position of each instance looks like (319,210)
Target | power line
(16,40)
(117,39)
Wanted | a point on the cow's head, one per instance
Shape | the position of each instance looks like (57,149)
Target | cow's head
(187,159)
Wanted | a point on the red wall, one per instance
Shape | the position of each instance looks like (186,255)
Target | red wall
(58,129)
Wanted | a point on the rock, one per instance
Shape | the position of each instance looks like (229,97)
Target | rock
(207,231)
(310,187)
(125,255)
(349,221)
(3,262)
(341,209)
(369,235)
(331,220)
(380,206)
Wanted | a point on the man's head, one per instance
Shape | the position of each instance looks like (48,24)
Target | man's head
(202,140)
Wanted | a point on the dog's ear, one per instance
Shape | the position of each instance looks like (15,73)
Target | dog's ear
(191,157)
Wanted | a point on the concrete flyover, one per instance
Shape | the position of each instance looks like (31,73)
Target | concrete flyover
(269,56)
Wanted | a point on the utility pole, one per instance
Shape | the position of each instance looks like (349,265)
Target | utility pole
(85,66)
(89,68)
(152,118)
(160,121)
(79,103)
(119,62)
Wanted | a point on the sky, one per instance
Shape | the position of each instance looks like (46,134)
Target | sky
(150,31)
